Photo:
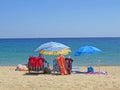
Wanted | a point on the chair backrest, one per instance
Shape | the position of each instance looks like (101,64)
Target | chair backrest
(56,66)
(68,62)
(36,61)
(36,64)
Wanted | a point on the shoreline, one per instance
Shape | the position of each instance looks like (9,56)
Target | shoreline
(73,66)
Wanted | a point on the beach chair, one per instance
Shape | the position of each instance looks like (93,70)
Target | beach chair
(68,62)
(36,64)
(56,68)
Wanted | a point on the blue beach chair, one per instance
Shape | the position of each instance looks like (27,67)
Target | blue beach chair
(56,67)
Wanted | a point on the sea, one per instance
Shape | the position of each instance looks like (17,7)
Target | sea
(18,50)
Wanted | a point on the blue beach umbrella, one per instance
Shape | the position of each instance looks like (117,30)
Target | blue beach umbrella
(87,50)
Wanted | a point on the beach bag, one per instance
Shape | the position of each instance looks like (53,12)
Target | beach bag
(47,70)
(90,69)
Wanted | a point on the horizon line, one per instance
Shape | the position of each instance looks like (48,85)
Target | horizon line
(50,37)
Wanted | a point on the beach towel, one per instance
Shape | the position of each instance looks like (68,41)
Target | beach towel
(21,67)
(61,62)
(97,73)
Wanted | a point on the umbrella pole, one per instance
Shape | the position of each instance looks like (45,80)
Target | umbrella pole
(52,57)
(88,61)
(99,65)
(51,66)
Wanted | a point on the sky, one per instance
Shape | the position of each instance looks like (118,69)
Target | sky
(59,18)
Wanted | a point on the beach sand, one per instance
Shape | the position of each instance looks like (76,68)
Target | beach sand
(21,80)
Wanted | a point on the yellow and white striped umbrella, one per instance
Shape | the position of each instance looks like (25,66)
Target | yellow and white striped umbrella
(53,48)
(63,52)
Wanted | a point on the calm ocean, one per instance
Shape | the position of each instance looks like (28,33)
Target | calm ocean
(17,51)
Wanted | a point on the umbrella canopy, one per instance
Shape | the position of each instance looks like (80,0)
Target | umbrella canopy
(87,50)
(53,48)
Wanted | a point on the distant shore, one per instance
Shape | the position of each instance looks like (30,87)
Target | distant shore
(21,80)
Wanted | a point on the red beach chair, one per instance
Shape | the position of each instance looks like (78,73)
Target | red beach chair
(36,64)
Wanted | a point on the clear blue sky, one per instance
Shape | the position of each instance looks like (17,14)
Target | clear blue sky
(59,18)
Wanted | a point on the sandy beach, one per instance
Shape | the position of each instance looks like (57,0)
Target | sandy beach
(21,80)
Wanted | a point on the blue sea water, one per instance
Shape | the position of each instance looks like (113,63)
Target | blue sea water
(17,51)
